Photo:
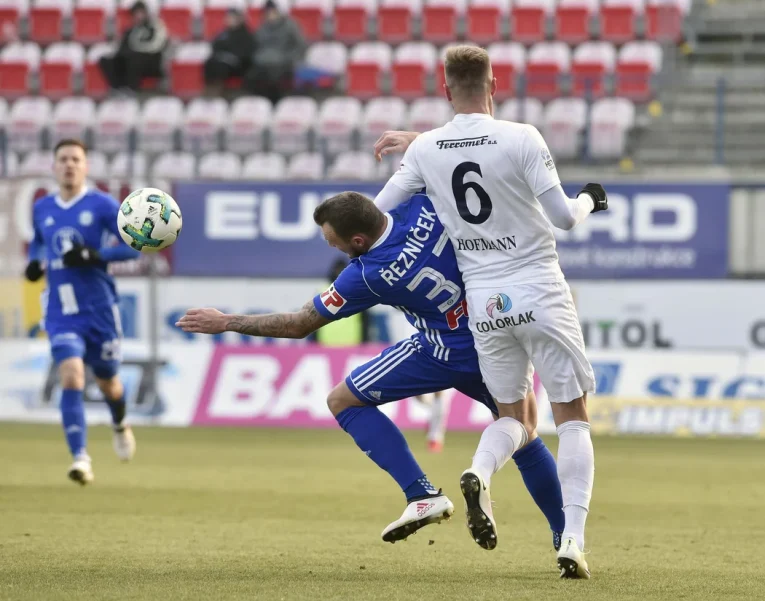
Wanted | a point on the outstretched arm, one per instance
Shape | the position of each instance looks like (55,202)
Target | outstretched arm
(272,325)
(394,142)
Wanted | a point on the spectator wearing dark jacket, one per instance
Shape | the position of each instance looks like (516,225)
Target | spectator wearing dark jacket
(231,51)
(279,47)
(140,51)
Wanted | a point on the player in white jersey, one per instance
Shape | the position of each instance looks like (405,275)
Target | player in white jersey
(496,190)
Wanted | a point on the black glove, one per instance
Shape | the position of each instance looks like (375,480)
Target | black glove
(598,194)
(81,256)
(34,271)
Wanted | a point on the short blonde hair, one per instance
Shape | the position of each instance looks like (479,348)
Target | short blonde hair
(467,70)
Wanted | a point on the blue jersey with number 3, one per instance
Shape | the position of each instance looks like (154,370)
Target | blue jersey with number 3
(411,267)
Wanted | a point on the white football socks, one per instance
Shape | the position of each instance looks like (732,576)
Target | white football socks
(499,441)
(576,471)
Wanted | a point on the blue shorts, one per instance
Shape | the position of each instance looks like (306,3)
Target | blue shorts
(95,338)
(407,369)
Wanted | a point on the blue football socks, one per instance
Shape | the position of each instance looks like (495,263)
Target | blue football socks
(117,409)
(540,475)
(380,439)
(73,420)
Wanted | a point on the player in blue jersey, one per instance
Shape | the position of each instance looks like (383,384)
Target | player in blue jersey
(74,233)
(403,259)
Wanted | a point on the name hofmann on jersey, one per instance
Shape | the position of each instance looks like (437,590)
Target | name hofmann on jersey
(505,243)
(464,142)
(418,235)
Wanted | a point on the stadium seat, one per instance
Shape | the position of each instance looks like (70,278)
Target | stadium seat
(45,18)
(27,120)
(128,166)
(72,117)
(564,120)
(179,17)
(9,164)
(380,115)
(214,16)
(331,57)
(429,113)
(174,165)
(89,20)
(98,166)
(3,112)
(351,18)
(115,122)
(546,62)
(306,166)
(529,20)
(11,14)
(611,119)
(310,16)
(367,62)
(412,63)
(527,110)
(248,119)
(617,20)
(159,120)
(338,120)
(591,63)
(186,78)
(270,166)
(94,83)
(440,20)
(353,166)
(293,120)
(36,163)
(485,19)
(394,19)
(664,19)
(220,165)
(60,63)
(17,61)
(203,123)
(572,20)
(508,60)
(637,63)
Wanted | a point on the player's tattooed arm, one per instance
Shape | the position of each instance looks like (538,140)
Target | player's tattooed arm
(272,325)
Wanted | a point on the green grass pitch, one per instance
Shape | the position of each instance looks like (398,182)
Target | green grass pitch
(215,514)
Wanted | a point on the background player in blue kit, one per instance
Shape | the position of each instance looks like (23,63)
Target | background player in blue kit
(74,233)
(403,259)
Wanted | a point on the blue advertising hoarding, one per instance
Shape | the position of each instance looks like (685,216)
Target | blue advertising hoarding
(267,230)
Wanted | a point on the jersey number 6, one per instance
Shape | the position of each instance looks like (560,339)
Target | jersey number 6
(460,188)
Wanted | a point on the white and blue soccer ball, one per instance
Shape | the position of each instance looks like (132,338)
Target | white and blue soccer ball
(149,220)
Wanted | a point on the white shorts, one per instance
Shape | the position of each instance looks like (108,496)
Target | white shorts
(517,326)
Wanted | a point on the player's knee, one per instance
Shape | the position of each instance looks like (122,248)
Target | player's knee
(72,374)
(520,411)
(110,387)
(341,398)
(573,411)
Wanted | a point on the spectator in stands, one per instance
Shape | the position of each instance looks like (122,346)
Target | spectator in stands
(279,47)
(231,52)
(140,52)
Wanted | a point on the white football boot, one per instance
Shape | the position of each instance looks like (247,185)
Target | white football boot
(571,561)
(123,442)
(81,470)
(418,514)
(480,518)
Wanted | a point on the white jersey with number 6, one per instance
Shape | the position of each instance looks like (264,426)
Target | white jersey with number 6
(484,177)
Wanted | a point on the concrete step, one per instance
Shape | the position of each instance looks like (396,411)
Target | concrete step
(658,155)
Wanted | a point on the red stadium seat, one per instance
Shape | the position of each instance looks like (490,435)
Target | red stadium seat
(528,24)
(178,21)
(13,78)
(123,20)
(366,63)
(547,61)
(60,61)
(508,59)
(633,81)
(592,61)
(413,62)
(9,16)
(254,16)
(186,78)
(310,19)
(351,23)
(213,21)
(45,24)
(664,22)
(483,24)
(617,24)
(394,24)
(572,24)
(439,23)
(94,84)
(89,24)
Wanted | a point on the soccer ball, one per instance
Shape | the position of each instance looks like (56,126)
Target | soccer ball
(149,220)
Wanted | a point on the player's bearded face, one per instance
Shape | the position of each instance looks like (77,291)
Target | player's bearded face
(70,167)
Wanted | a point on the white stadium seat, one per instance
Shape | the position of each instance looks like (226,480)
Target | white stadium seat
(338,120)
(354,166)
(72,117)
(71,53)
(376,53)
(38,163)
(324,5)
(547,5)
(429,113)
(249,117)
(528,110)
(22,6)
(160,119)
(96,51)
(115,120)
(307,166)
(508,53)
(27,120)
(65,6)
(9,164)
(98,166)
(109,6)
(192,52)
(564,121)
(220,165)
(328,56)
(369,5)
(127,166)
(420,53)
(3,111)
(174,165)
(558,53)
(265,166)
(380,115)
(195,6)
(637,5)
(590,5)
(292,124)
(22,52)
(202,124)
(602,53)
(611,119)
(415,6)
(642,52)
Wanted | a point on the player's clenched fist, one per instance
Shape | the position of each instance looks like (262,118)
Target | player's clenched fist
(394,142)
(598,195)
(203,321)
(34,271)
